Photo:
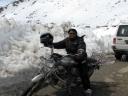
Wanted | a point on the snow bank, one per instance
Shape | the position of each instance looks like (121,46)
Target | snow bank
(20,46)
(103,38)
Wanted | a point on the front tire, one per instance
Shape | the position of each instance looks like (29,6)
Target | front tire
(28,92)
(34,87)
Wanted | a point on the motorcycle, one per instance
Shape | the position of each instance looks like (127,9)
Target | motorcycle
(59,71)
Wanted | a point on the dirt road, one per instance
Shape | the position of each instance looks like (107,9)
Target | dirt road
(110,80)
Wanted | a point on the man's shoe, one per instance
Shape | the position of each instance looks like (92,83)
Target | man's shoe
(88,92)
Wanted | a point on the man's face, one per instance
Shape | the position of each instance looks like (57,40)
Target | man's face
(72,35)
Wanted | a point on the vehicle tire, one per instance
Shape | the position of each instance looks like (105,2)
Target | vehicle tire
(118,56)
(27,91)
(34,87)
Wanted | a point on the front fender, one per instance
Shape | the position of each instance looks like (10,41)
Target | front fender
(37,78)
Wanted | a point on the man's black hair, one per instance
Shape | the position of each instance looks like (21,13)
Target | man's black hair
(73,30)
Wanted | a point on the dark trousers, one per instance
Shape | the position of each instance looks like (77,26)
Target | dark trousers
(83,72)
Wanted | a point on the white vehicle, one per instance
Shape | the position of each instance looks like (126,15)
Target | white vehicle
(120,41)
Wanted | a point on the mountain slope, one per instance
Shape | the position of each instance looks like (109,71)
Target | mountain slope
(89,12)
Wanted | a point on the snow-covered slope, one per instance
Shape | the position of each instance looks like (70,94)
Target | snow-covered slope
(89,12)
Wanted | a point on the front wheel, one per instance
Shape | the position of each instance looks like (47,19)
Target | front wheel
(29,90)
(34,87)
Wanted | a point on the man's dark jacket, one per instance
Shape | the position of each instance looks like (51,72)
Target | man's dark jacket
(70,45)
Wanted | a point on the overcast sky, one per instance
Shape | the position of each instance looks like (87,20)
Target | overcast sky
(5,2)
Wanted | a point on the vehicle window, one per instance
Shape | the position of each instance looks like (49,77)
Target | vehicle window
(123,31)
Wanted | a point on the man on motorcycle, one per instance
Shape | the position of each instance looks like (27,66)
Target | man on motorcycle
(75,45)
